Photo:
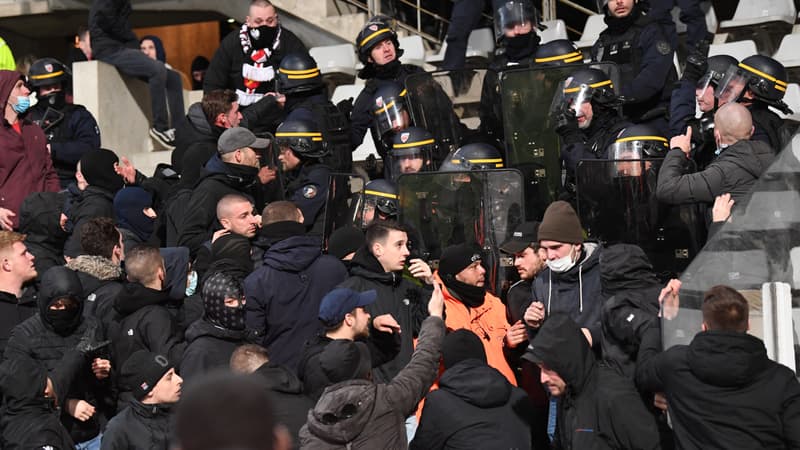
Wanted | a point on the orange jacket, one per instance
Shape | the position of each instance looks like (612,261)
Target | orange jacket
(487,321)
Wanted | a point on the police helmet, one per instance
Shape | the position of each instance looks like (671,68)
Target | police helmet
(303,137)
(412,141)
(558,53)
(586,85)
(764,77)
(638,142)
(383,193)
(389,105)
(718,65)
(47,71)
(298,73)
(509,14)
(477,156)
(377,30)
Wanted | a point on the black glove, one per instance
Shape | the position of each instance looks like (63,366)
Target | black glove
(696,62)
(566,124)
(345,106)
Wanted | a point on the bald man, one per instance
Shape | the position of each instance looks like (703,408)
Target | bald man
(739,162)
(235,213)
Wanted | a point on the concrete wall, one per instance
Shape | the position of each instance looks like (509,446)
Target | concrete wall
(121,106)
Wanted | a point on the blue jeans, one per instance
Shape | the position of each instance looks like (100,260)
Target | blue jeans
(91,444)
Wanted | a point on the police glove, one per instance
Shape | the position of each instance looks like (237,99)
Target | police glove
(567,126)
(696,62)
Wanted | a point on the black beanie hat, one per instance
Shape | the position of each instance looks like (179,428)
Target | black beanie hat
(456,258)
(344,241)
(97,167)
(142,371)
(460,345)
(561,224)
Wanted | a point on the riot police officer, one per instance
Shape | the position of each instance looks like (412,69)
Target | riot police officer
(299,79)
(379,203)
(379,50)
(759,82)
(557,53)
(639,46)
(586,116)
(515,24)
(412,152)
(301,151)
(699,82)
(390,115)
(71,130)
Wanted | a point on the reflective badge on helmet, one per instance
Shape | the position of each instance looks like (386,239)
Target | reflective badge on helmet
(663,47)
(309,191)
(48,68)
(404,137)
(373,28)
(379,102)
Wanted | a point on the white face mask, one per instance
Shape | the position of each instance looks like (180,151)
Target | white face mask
(562,264)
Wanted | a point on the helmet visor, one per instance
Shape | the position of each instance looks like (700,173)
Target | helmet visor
(514,18)
(390,114)
(731,85)
(410,160)
(571,96)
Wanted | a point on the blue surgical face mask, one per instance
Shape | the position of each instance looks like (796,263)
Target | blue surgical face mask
(191,283)
(23,103)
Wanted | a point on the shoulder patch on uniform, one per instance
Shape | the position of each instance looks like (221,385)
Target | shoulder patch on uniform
(663,47)
(309,191)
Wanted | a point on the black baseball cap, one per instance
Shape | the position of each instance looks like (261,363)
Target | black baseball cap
(340,301)
(524,235)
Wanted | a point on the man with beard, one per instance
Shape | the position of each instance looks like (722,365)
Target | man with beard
(247,61)
(469,306)
(71,130)
(233,170)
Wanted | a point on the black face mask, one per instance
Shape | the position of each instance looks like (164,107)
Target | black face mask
(472,296)
(388,71)
(263,36)
(521,47)
(56,100)
(63,321)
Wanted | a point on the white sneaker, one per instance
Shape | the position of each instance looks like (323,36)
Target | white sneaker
(165,138)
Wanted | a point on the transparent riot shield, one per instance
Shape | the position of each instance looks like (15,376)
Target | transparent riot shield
(344,203)
(531,143)
(446,104)
(448,208)
(757,252)
(268,157)
(617,204)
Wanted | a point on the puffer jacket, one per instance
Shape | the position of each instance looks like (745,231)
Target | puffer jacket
(380,409)
(139,426)
(405,300)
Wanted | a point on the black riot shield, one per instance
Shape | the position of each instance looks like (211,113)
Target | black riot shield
(531,143)
(448,208)
(617,203)
(268,157)
(446,104)
(343,205)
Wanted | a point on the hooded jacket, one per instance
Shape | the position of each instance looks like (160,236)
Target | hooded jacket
(29,419)
(723,391)
(283,295)
(185,310)
(406,301)
(600,409)
(208,347)
(143,322)
(217,179)
(101,280)
(291,405)
(139,426)
(25,164)
(487,321)
(110,27)
(735,171)
(576,292)
(39,220)
(381,409)
(632,289)
(194,134)
(92,202)
(36,338)
(491,413)
(13,311)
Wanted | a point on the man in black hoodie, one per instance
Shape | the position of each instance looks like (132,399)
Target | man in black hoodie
(212,340)
(379,265)
(142,320)
(597,407)
(284,294)
(50,335)
(491,413)
(17,269)
(740,163)
(233,170)
(145,423)
(722,389)
(290,403)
